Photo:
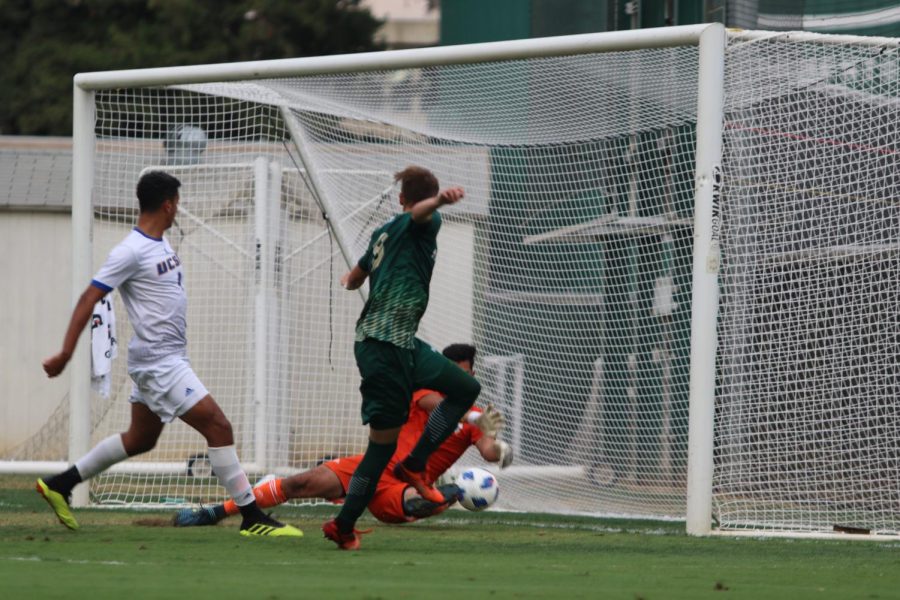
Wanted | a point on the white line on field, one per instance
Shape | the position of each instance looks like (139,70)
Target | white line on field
(117,563)
(69,561)
(545,525)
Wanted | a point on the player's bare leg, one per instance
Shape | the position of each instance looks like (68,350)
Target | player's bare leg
(143,431)
(320,482)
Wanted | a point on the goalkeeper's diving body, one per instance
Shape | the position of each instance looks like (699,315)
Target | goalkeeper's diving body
(392,362)
(394,501)
(149,276)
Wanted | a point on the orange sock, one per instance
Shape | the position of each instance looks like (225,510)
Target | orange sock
(267,494)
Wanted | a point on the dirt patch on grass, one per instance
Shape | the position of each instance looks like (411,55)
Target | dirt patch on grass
(152,522)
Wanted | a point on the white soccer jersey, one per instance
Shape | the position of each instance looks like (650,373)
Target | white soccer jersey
(148,275)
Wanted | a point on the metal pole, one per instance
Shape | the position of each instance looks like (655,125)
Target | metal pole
(316,188)
(261,308)
(705,299)
(82,264)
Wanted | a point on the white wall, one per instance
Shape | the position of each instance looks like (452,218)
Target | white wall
(35,299)
(448,319)
(314,352)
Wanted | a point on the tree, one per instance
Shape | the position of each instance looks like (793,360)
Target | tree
(44,43)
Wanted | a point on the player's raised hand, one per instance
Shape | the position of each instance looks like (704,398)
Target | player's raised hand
(490,422)
(451,195)
(55,364)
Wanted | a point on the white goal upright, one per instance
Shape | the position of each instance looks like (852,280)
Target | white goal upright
(677,256)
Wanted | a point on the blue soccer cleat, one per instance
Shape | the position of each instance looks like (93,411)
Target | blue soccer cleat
(195,517)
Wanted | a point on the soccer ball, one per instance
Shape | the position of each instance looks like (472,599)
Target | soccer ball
(478,489)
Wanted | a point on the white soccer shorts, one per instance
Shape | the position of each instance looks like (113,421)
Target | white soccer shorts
(169,389)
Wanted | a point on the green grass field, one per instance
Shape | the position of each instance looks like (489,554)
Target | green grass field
(131,555)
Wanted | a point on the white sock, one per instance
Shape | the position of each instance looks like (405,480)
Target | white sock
(225,465)
(101,457)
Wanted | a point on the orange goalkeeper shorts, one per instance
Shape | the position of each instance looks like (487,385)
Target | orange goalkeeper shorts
(387,503)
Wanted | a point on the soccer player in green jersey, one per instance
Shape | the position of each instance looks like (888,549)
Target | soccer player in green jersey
(394,363)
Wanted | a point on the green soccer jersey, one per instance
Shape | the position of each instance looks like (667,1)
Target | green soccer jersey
(399,261)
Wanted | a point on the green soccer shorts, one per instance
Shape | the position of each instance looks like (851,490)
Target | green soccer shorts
(391,374)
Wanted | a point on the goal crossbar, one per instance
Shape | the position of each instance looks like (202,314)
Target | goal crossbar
(682,35)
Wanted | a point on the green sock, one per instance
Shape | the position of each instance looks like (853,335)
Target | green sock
(441,423)
(460,391)
(363,483)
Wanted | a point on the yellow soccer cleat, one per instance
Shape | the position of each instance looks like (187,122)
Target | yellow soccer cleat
(58,503)
(266,526)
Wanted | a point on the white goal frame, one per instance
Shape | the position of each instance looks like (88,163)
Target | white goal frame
(710,39)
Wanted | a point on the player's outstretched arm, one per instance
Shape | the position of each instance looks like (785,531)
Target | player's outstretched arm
(422,211)
(494,450)
(429,402)
(82,312)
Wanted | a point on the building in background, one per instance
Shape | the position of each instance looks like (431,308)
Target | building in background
(407,23)
(471,21)
(870,17)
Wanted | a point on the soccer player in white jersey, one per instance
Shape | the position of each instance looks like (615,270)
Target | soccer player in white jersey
(149,277)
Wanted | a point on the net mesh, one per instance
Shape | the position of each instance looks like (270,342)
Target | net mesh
(568,265)
(807,423)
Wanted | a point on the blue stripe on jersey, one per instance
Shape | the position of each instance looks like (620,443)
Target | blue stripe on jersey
(101,286)
(149,237)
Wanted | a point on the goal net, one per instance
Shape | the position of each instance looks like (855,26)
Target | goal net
(581,263)
(807,422)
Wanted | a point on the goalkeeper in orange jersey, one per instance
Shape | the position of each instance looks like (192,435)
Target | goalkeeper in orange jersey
(394,501)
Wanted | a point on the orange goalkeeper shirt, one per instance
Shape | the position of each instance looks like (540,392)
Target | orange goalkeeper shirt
(448,452)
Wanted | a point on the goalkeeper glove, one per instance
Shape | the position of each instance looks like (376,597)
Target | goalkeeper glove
(506,454)
(490,422)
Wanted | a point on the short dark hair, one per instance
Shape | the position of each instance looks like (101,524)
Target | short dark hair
(417,184)
(154,188)
(460,352)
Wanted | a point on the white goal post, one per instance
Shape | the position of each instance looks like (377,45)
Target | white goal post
(677,258)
